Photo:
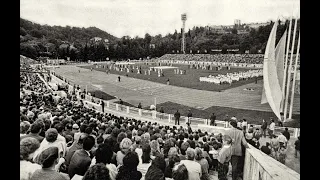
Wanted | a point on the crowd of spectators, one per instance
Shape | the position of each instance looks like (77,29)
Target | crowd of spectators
(225,58)
(60,138)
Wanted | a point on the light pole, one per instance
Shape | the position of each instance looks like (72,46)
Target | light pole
(183,18)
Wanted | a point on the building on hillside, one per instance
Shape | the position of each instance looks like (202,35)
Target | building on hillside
(218,29)
(242,31)
(256,25)
(96,39)
(237,22)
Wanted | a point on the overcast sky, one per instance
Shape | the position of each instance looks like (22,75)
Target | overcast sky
(137,17)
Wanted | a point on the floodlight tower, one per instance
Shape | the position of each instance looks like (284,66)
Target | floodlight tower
(183,45)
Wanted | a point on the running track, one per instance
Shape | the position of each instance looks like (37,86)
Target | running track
(134,91)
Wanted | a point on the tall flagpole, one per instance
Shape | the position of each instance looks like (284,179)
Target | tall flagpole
(285,68)
(289,72)
(294,78)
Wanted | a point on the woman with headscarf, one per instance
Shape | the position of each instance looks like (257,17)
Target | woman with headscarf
(145,160)
(27,148)
(49,159)
(156,170)
(128,171)
(124,149)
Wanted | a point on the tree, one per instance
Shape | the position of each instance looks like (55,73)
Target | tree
(23,32)
(36,33)
(234,31)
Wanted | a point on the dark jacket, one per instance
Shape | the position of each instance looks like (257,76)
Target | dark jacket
(286,134)
(177,115)
(79,163)
(264,125)
(126,174)
(71,152)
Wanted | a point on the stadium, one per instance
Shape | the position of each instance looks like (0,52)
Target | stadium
(109,109)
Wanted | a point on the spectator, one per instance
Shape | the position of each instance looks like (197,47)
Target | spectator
(255,143)
(172,160)
(97,172)
(203,162)
(183,149)
(155,148)
(28,146)
(271,128)
(68,131)
(34,132)
(224,158)
(212,119)
(244,125)
(145,162)
(275,143)
(24,127)
(124,149)
(257,134)
(264,127)
(249,136)
(237,139)
(157,168)
(282,140)
(74,147)
(49,159)
(215,153)
(189,116)
(282,154)
(128,171)
(266,149)
(286,133)
(297,147)
(81,159)
(50,141)
(177,118)
(205,154)
(194,168)
(104,156)
(180,172)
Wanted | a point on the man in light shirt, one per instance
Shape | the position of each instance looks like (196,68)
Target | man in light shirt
(271,128)
(282,140)
(193,167)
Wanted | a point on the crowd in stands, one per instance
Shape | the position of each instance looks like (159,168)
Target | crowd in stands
(225,58)
(228,58)
(61,139)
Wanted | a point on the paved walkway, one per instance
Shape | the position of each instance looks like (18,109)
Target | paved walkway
(134,91)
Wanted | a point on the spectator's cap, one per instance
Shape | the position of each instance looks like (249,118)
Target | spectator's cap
(75,126)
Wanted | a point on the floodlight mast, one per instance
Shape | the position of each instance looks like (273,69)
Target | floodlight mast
(183,44)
